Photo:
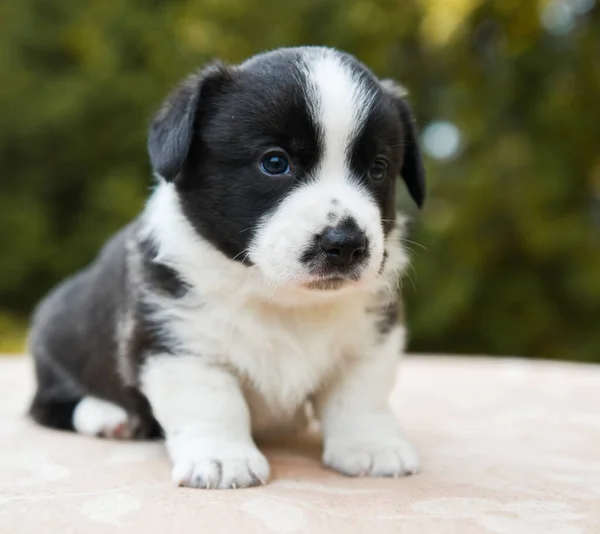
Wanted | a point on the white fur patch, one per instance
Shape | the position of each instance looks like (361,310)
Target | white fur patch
(340,103)
(96,417)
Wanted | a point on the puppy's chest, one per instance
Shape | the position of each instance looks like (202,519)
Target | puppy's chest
(280,355)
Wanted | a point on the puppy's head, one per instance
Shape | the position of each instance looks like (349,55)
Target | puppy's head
(289,162)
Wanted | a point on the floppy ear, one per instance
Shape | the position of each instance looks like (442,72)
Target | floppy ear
(412,170)
(172,129)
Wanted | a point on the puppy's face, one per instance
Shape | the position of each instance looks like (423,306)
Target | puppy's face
(289,162)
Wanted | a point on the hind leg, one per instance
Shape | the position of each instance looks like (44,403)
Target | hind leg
(89,416)
(62,404)
(92,416)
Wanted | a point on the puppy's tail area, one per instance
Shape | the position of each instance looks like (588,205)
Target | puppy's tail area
(55,413)
(56,395)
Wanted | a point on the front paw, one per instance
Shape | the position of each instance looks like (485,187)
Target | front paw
(220,466)
(377,458)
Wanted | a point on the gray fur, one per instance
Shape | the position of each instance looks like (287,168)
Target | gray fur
(88,352)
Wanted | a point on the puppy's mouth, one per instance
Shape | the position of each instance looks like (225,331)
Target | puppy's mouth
(328,284)
(326,280)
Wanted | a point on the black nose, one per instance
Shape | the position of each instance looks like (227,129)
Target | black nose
(344,245)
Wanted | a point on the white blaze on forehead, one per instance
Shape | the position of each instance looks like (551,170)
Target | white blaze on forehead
(340,101)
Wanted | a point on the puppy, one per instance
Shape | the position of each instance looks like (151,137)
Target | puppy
(258,280)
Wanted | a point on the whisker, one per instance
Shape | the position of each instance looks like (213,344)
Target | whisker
(404,240)
(412,282)
(245,251)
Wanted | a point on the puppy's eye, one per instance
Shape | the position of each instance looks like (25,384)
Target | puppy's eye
(378,169)
(275,164)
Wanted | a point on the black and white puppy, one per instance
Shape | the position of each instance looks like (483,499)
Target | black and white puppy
(257,281)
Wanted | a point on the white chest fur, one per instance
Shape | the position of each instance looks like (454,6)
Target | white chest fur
(281,355)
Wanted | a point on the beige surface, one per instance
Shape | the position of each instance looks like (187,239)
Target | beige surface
(508,447)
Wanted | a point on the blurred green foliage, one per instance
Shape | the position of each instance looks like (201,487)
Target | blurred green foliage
(510,262)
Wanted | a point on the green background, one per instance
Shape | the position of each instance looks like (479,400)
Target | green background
(506,257)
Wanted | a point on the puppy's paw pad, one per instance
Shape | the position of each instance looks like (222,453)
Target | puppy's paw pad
(226,470)
(96,417)
(394,459)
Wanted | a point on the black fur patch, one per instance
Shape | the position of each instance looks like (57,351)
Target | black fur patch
(160,277)
(256,109)
(53,413)
(389,132)
(150,336)
(381,135)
